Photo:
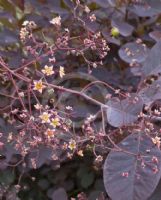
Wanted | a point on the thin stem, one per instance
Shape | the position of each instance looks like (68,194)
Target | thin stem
(112,142)
(77,93)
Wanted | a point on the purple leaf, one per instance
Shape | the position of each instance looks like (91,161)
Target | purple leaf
(102,3)
(133,52)
(107,36)
(124,112)
(59,194)
(151,93)
(125,29)
(156,35)
(152,64)
(133,177)
(157,193)
(40,156)
(147,8)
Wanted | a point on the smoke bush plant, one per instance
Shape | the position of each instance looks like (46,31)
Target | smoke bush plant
(55,107)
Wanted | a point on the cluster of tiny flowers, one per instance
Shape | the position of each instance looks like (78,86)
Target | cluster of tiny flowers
(47,117)
(53,122)
(47,123)
(63,41)
(97,44)
(47,71)
(26,30)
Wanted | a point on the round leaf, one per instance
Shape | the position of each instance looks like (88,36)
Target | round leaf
(147,8)
(151,93)
(133,52)
(59,194)
(124,28)
(125,112)
(87,179)
(133,177)
(40,156)
(152,64)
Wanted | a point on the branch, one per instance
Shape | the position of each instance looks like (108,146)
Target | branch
(153,118)
(77,93)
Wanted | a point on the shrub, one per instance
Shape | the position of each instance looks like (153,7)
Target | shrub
(80,80)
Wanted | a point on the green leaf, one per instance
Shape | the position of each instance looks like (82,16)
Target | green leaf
(87,179)
(7,177)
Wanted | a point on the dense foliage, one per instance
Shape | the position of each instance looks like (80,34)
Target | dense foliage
(80,92)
